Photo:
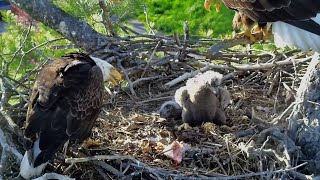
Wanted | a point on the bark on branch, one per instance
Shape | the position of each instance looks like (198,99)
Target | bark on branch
(304,124)
(74,29)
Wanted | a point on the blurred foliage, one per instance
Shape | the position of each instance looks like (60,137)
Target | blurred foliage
(168,16)
(165,16)
(22,49)
(19,39)
(120,10)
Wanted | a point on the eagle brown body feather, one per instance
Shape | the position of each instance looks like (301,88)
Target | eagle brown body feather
(65,102)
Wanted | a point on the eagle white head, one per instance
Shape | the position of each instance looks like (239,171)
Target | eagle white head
(109,72)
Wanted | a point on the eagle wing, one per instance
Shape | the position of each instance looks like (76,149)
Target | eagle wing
(65,102)
(295,12)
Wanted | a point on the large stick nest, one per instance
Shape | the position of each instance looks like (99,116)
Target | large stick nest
(132,136)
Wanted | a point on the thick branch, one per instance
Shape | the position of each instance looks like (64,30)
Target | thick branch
(304,124)
(70,27)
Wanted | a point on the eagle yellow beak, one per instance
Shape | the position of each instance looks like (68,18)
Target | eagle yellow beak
(207,4)
(115,76)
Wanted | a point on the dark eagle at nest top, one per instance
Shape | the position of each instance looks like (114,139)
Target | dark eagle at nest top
(295,23)
(64,104)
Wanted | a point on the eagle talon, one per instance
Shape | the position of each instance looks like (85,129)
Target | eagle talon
(265,34)
(248,34)
(207,4)
(290,26)
(261,31)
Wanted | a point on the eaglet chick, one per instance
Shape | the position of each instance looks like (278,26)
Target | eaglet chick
(215,80)
(200,103)
(201,100)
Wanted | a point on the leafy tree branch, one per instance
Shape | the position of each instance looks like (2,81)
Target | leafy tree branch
(76,30)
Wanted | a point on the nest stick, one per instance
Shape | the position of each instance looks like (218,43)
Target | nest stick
(150,59)
(185,76)
(102,173)
(155,99)
(53,176)
(108,168)
(263,173)
(134,83)
(96,158)
(130,84)
(248,67)
(12,125)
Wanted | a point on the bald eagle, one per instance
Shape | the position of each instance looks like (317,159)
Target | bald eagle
(295,23)
(65,102)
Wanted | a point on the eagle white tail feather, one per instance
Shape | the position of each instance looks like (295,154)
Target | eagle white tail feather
(27,170)
(291,36)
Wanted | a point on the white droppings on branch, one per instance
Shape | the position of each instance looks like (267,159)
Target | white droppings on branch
(6,147)
(63,27)
(11,124)
(6,150)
